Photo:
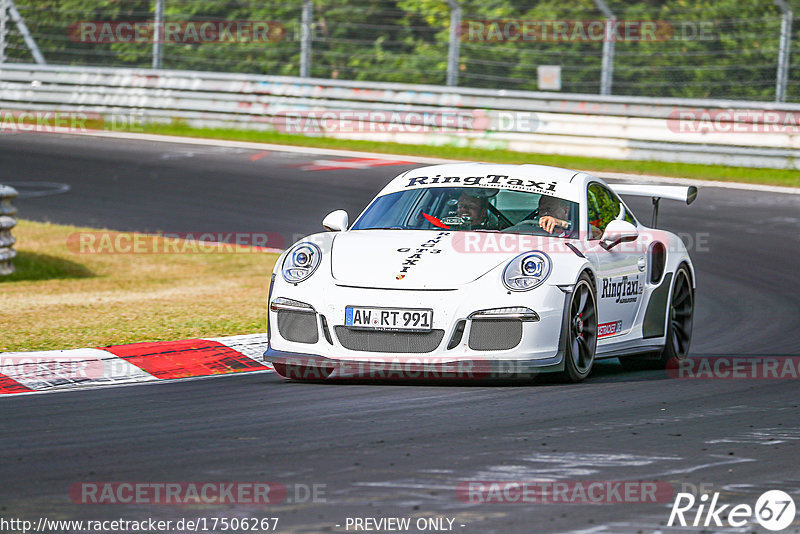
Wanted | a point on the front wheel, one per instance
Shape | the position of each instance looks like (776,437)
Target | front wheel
(581,326)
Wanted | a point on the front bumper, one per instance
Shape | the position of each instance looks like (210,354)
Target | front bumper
(328,350)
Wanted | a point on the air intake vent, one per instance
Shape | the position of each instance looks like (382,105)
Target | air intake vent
(495,334)
(458,333)
(325,330)
(658,259)
(300,327)
(396,342)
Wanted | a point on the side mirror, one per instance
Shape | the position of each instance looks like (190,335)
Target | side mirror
(336,221)
(618,231)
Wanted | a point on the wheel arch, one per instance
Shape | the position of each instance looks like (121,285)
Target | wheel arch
(685,262)
(592,276)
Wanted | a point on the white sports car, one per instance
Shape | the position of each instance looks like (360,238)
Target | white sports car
(474,270)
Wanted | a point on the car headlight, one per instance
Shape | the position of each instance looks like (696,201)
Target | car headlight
(301,262)
(527,271)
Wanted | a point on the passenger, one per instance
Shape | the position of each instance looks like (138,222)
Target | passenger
(554,215)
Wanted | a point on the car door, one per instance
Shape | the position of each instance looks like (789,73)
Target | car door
(620,270)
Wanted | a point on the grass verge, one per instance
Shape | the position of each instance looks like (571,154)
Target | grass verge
(783,177)
(59,298)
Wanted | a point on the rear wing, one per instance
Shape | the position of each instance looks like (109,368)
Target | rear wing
(681,193)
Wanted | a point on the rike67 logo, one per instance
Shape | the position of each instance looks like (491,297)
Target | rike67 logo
(774,510)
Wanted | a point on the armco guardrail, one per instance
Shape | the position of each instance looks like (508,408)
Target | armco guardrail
(694,131)
(7,222)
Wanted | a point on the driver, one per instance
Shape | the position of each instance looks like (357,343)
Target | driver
(553,214)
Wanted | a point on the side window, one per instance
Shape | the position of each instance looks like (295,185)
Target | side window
(629,216)
(603,207)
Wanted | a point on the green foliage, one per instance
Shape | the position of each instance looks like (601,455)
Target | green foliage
(711,49)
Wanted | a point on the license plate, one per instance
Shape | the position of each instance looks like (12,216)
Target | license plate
(388,318)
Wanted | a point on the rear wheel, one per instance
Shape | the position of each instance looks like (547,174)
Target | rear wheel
(581,326)
(680,316)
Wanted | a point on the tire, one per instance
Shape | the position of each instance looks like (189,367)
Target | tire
(680,317)
(580,337)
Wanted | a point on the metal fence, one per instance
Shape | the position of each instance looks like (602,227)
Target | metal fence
(738,49)
(7,222)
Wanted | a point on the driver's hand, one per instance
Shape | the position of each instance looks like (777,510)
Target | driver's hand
(549,223)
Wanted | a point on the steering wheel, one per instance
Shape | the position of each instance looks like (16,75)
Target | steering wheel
(528,222)
(524,224)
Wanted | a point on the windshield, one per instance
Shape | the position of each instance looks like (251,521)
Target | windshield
(474,209)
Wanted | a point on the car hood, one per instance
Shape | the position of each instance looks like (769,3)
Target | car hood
(406,259)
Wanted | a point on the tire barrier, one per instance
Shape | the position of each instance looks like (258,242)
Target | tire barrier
(7,222)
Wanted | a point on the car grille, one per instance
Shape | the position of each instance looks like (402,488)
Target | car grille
(495,334)
(381,341)
(300,327)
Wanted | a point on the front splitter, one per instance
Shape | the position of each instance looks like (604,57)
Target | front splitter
(298,366)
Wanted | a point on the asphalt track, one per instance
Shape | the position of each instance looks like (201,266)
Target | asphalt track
(398,450)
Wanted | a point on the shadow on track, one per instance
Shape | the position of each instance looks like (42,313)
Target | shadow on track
(604,371)
(696,367)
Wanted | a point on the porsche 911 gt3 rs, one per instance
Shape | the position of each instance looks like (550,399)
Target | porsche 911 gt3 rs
(483,270)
